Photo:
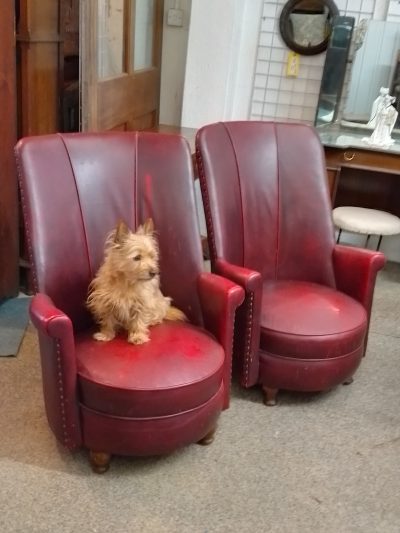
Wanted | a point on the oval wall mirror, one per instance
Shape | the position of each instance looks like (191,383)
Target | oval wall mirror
(306,25)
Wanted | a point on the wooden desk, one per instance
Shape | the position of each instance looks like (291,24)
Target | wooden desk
(362,176)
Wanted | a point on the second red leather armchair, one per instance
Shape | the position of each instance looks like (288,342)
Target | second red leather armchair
(304,323)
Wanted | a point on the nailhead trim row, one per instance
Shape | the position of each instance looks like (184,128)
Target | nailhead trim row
(206,204)
(249,319)
(26,227)
(61,391)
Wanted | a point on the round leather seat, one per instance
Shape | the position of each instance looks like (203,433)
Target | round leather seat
(179,369)
(310,321)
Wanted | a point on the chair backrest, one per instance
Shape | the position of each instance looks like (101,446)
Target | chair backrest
(266,198)
(75,188)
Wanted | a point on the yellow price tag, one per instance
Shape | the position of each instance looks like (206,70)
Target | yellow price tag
(293,64)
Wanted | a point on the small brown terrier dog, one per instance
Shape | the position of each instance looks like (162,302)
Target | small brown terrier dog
(125,293)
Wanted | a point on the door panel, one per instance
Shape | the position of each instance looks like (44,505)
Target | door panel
(110,38)
(128,99)
(120,69)
(142,22)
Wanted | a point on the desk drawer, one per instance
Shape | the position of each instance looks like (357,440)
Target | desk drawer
(363,159)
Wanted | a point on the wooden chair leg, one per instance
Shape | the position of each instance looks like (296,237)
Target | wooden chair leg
(208,439)
(99,461)
(269,395)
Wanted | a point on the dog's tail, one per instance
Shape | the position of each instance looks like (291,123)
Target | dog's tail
(173,313)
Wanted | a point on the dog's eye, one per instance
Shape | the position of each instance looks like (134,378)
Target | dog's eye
(137,257)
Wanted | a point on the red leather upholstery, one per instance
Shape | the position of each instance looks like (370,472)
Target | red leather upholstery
(304,322)
(116,397)
(115,378)
(329,322)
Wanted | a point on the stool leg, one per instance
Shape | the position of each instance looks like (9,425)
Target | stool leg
(379,243)
(367,241)
(338,237)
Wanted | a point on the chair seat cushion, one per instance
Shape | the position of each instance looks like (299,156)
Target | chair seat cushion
(310,321)
(180,368)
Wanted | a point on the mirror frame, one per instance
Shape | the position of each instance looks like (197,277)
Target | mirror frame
(286,33)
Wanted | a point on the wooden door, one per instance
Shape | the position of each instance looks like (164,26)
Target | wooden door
(39,44)
(121,62)
(8,179)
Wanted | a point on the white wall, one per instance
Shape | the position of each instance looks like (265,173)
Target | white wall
(173,64)
(220,61)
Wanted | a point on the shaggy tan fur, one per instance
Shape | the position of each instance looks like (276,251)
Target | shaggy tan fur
(125,293)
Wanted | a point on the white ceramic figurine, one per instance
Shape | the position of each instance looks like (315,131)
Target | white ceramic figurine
(383,119)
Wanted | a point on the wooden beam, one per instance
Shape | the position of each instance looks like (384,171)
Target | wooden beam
(8,134)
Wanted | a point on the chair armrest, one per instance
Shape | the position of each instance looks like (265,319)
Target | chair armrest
(250,280)
(219,299)
(47,318)
(59,370)
(355,272)
(247,331)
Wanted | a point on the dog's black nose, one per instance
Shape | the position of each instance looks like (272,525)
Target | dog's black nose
(152,273)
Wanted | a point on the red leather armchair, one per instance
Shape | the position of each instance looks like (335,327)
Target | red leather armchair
(115,397)
(304,323)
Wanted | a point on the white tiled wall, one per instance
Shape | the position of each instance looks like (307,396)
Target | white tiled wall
(276,96)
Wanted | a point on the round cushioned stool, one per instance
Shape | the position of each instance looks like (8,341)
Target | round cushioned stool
(365,221)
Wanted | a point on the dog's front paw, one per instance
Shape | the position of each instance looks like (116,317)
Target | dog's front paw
(138,337)
(101,336)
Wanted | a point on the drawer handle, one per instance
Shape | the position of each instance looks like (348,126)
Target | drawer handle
(348,156)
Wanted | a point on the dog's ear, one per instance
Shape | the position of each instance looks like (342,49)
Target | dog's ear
(121,232)
(147,228)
